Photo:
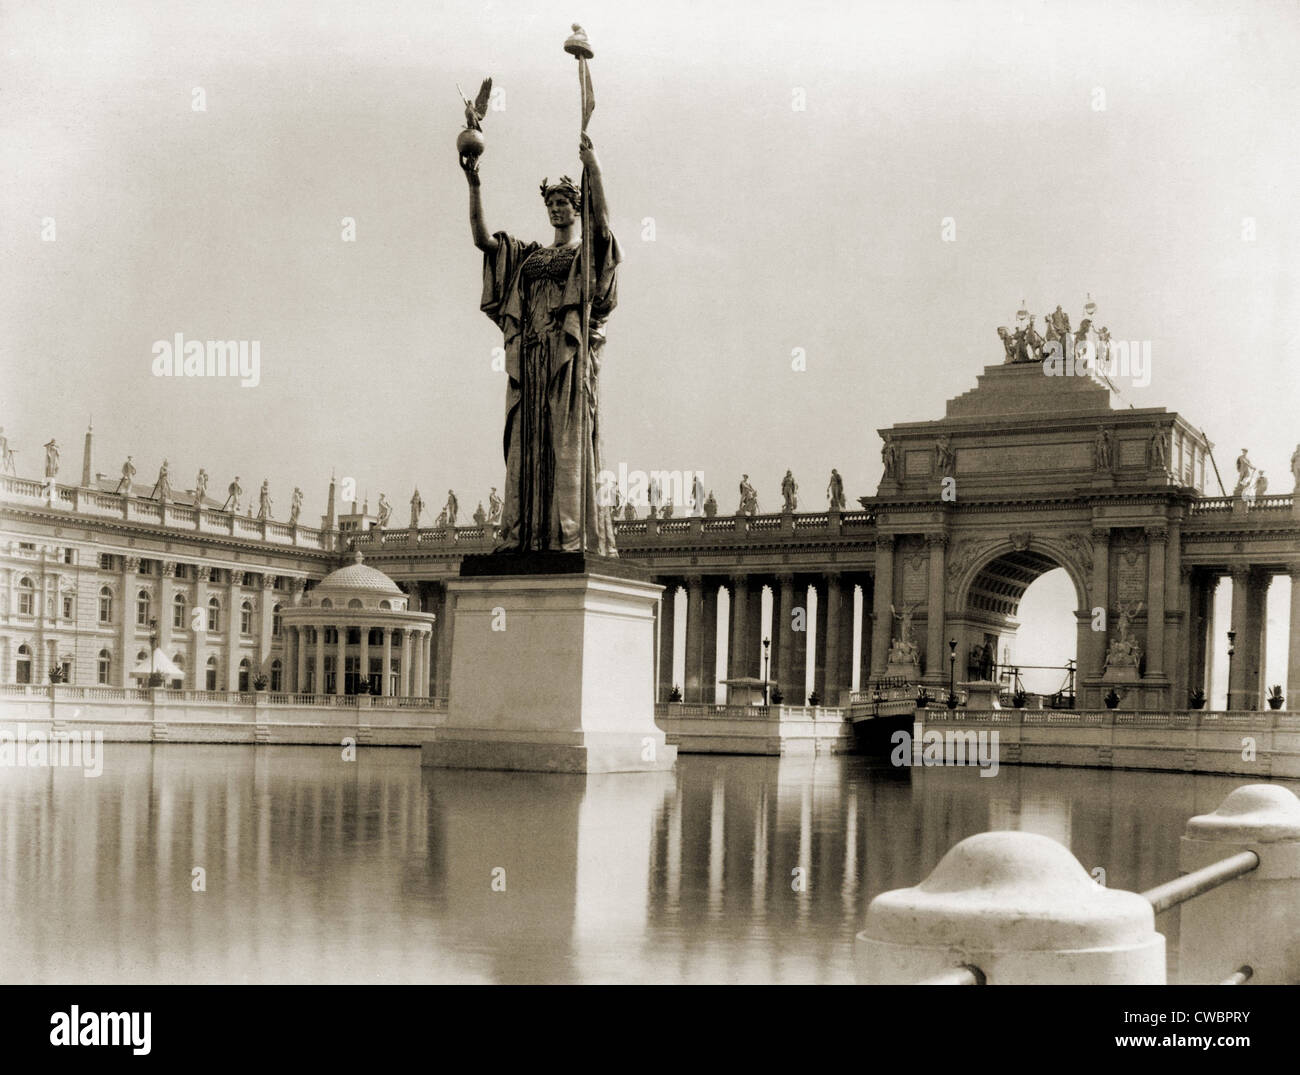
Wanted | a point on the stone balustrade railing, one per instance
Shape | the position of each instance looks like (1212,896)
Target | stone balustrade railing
(1017,908)
(71,692)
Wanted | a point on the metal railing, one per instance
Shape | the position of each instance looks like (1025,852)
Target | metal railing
(1190,885)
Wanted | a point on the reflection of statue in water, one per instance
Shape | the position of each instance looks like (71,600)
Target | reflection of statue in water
(534,294)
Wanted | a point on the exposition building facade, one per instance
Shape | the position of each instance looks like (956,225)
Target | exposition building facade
(1024,474)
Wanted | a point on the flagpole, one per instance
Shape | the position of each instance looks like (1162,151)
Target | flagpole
(578,47)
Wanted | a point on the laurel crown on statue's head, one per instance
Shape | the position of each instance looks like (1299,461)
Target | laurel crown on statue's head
(565,186)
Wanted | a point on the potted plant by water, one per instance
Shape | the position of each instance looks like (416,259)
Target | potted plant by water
(1019,698)
(1196,699)
(1111,699)
(675,695)
(1275,698)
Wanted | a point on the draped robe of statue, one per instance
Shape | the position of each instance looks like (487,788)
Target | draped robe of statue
(533,293)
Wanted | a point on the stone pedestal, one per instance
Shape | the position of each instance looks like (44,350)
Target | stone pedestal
(981,694)
(551,673)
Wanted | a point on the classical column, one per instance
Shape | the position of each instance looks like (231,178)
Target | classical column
(404,683)
(1238,693)
(797,692)
(847,655)
(784,640)
(318,638)
(197,673)
(882,626)
(1203,640)
(163,613)
(936,660)
(437,605)
(752,654)
(364,668)
(709,643)
(300,653)
(738,636)
(445,636)
(233,615)
(1177,612)
(830,600)
(1157,536)
(266,618)
(666,612)
(427,667)
(340,660)
(1100,595)
(868,584)
(694,640)
(385,685)
(1293,643)
(126,627)
(1256,636)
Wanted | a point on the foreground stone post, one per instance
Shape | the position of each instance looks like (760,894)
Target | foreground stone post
(1021,909)
(1255,920)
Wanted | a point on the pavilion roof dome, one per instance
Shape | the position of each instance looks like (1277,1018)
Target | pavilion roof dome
(357,576)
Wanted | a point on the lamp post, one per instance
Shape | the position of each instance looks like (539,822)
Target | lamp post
(155,677)
(1232,648)
(952,673)
(767,643)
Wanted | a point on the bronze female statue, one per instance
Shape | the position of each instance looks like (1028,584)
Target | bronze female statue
(533,294)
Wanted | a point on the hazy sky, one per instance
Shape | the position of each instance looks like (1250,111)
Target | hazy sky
(774,228)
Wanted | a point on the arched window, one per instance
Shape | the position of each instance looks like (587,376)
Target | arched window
(385,603)
(103,666)
(178,611)
(142,603)
(277,622)
(277,676)
(325,602)
(355,603)
(23,669)
(105,605)
(178,659)
(214,616)
(245,619)
(26,597)
(243,674)
(210,674)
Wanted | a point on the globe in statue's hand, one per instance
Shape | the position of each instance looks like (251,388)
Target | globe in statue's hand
(470,143)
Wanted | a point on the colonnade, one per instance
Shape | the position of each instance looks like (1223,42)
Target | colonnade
(405,657)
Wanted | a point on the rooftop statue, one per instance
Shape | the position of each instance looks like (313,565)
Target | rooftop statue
(417,506)
(710,506)
(452,509)
(789,492)
(51,458)
(295,506)
(128,473)
(835,491)
(162,488)
(385,512)
(748,497)
(233,493)
(263,500)
(200,487)
(889,458)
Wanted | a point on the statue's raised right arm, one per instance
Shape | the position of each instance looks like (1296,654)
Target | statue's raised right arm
(483,238)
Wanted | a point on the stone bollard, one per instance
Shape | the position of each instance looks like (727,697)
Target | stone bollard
(1254,920)
(1021,909)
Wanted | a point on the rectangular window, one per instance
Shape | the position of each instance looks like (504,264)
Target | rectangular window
(182,571)
(69,556)
(146,567)
(67,607)
(105,561)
